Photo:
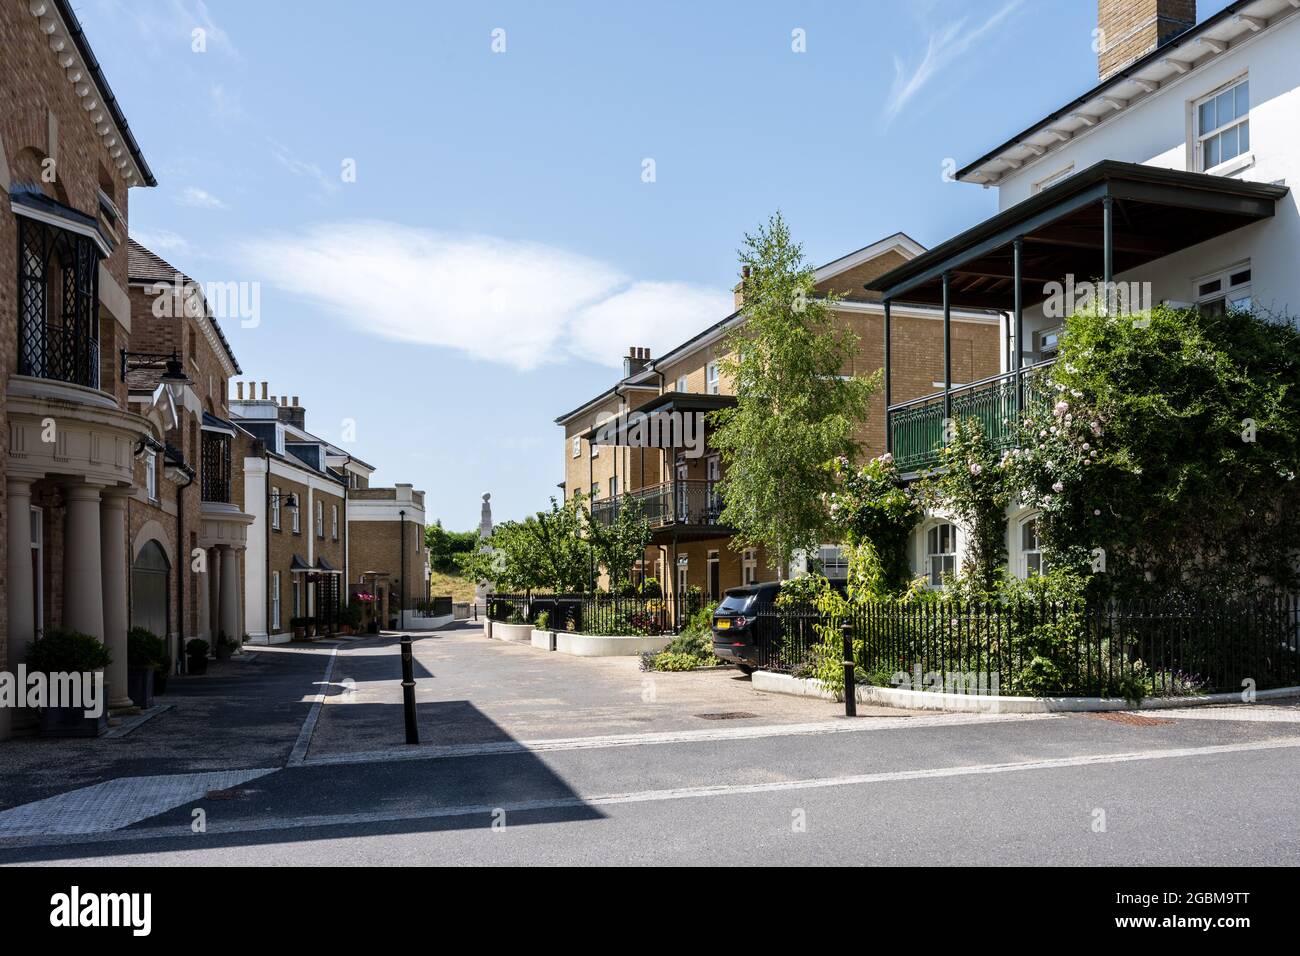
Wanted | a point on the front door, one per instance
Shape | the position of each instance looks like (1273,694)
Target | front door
(715,576)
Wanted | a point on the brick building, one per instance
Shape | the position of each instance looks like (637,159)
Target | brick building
(67,161)
(297,497)
(387,555)
(678,489)
(187,532)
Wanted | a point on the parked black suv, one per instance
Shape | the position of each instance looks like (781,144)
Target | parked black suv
(733,623)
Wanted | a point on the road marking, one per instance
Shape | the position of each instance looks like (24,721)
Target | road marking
(299,752)
(116,803)
(843,725)
(270,824)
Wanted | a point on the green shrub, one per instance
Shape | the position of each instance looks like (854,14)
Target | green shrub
(66,651)
(543,622)
(144,648)
(196,647)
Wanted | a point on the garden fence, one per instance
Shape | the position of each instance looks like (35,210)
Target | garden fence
(1170,646)
(602,614)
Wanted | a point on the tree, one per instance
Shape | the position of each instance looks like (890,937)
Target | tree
(445,545)
(621,543)
(794,411)
(545,551)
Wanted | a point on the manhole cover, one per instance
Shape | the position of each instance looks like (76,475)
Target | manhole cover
(727,715)
(232,794)
(1133,720)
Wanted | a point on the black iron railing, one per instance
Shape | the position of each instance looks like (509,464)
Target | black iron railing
(1172,646)
(685,501)
(58,304)
(215,467)
(604,614)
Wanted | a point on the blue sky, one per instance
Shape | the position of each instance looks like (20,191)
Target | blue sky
(499,250)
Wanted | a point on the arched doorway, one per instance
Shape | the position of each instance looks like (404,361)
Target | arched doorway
(150,576)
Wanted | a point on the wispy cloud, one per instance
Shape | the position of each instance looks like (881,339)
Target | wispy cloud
(520,304)
(286,158)
(197,16)
(945,45)
(162,241)
(199,198)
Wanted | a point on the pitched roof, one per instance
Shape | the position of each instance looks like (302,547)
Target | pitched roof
(146,266)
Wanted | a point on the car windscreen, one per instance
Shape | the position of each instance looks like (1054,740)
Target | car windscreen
(735,603)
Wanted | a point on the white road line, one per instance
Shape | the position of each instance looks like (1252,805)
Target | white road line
(266,824)
(844,725)
(299,753)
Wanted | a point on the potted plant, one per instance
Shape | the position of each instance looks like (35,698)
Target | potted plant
(351,617)
(145,652)
(225,646)
(196,656)
(63,651)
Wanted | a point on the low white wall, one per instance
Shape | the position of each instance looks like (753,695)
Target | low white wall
(512,632)
(415,622)
(542,639)
(590,645)
(989,704)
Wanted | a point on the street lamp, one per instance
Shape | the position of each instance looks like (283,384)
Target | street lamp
(175,380)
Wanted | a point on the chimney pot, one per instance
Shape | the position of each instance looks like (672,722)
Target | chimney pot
(239,391)
(265,385)
(295,401)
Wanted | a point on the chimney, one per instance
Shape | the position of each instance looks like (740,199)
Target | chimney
(637,359)
(1128,30)
(265,386)
(239,391)
(291,413)
(738,293)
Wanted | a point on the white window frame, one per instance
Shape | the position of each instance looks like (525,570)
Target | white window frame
(296,515)
(1231,294)
(682,383)
(577,446)
(1026,552)
(334,522)
(275,507)
(749,566)
(297,596)
(151,475)
(833,558)
(947,560)
(712,379)
(1054,178)
(595,490)
(320,519)
(1239,121)
(275,601)
(613,487)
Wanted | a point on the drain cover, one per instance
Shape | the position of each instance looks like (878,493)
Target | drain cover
(1133,720)
(727,715)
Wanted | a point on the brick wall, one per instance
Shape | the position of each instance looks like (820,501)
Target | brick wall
(1130,29)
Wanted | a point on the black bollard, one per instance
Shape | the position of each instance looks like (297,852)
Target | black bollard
(408,692)
(850,684)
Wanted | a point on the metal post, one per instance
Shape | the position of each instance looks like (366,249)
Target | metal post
(408,692)
(947,349)
(889,431)
(850,683)
(1018,299)
(1108,245)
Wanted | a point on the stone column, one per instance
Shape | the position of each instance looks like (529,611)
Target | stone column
(230,617)
(213,558)
(83,582)
(203,597)
(112,559)
(19,582)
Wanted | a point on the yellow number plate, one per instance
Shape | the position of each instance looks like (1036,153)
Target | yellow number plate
(723,624)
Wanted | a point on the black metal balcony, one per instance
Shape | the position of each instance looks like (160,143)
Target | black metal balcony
(58,304)
(214,468)
(681,503)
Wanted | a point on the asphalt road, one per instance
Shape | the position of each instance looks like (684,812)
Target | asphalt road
(1194,786)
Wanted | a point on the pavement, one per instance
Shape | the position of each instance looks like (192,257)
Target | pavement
(532,757)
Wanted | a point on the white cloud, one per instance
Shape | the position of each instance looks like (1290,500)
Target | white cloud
(285,157)
(520,304)
(199,198)
(161,241)
(944,45)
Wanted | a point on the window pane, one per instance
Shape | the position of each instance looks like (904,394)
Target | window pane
(1243,98)
(1207,117)
(1212,152)
(1224,107)
(1239,278)
(932,544)
(1206,288)
(1244,129)
(1033,564)
(1228,144)
(1240,303)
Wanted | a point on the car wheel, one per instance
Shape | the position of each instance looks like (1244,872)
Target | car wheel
(745,669)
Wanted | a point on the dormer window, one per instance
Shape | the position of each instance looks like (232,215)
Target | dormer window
(1223,126)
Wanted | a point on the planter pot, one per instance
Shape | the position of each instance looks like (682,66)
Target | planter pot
(299,633)
(160,682)
(140,686)
(591,645)
(71,722)
(521,633)
(197,665)
(544,640)
(224,651)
